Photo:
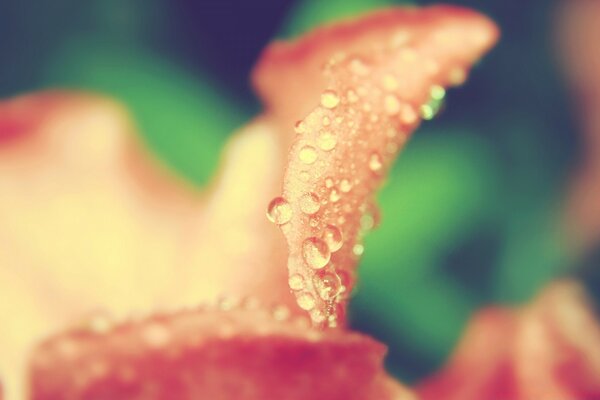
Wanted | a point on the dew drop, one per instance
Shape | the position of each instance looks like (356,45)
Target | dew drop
(333,237)
(300,127)
(327,285)
(391,104)
(329,99)
(457,76)
(427,112)
(326,121)
(326,141)
(281,313)
(279,211)
(375,162)
(334,196)
(408,115)
(345,185)
(309,203)
(352,96)
(389,82)
(317,316)
(328,182)
(315,252)
(296,282)
(358,249)
(359,67)
(306,301)
(308,154)
(437,92)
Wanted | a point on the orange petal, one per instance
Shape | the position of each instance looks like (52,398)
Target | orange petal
(360,87)
(241,354)
(549,349)
(481,366)
(87,215)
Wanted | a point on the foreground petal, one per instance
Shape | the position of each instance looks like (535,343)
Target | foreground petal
(88,215)
(243,353)
(373,76)
(548,350)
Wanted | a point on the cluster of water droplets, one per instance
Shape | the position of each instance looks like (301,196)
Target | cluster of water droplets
(343,149)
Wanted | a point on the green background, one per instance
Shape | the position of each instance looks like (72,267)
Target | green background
(471,210)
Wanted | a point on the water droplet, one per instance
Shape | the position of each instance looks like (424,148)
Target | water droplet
(367,222)
(352,96)
(359,67)
(457,76)
(327,285)
(328,182)
(437,92)
(327,141)
(326,121)
(317,316)
(279,211)
(358,249)
(345,185)
(309,203)
(306,301)
(389,82)
(375,162)
(300,127)
(308,154)
(281,313)
(296,282)
(329,99)
(156,335)
(333,237)
(408,115)
(334,196)
(315,252)
(427,112)
(391,104)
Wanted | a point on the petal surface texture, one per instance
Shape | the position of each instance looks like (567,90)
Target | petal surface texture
(357,91)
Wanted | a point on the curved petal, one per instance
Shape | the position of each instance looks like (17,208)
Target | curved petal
(548,350)
(243,353)
(360,87)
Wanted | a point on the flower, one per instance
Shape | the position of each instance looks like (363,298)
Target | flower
(92,222)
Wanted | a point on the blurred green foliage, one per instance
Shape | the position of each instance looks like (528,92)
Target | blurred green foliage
(471,210)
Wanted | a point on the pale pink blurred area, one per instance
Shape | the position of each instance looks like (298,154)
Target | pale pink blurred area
(92,221)
(578,36)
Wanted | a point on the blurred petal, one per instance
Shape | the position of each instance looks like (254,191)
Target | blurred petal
(241,354)
(87,214)
(579,33)
(373,77)
(548,350)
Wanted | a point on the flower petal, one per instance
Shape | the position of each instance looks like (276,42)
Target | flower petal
(242,353)
(87,215)
(548,350)
(373,77)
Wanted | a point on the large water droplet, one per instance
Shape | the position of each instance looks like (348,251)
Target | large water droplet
(308,154)
(375,162)
(309,203)
(327,285)
(296,282)
(279,211)
(316,252)
(358,249)
(333,237)
(329,99)
(306,301)
(327,141)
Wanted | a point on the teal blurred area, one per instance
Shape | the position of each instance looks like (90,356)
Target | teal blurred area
(471,210)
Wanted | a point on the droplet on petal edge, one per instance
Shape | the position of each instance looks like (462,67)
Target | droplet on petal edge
(406,81)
